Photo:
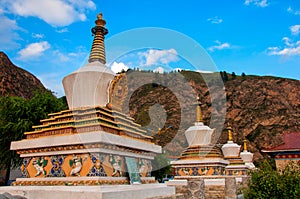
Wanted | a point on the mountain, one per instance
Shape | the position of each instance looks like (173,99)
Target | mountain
(15,81)
(259,108)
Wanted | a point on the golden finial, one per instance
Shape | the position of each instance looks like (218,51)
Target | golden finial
(245,145)
(199,111)
(98,48)
(100,21)
(100,16)
(229,129)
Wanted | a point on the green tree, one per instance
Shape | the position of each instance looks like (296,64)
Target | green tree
(225,76)
(18,115)
(233,75)
(269,183)
(161,167)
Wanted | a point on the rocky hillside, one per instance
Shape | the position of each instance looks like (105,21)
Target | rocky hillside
(15,81)
(260,109)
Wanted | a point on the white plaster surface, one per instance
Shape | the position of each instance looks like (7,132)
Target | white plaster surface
(177,182)
(250,165)
(246,156)
(231,149)
(88,86)
(142,191)
(74,178)
(199,134)
(85,138)
(207,161)
(242,166)
(214,182)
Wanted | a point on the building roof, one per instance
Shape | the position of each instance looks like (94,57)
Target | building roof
(291,142)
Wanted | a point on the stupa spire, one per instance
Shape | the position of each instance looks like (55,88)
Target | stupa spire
(199,111)
(98,49)
(245,145)
(229,129)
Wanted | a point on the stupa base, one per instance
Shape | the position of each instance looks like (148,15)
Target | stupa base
(141,191)
(78,181)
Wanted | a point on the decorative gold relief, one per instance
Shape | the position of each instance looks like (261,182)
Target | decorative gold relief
(118,91)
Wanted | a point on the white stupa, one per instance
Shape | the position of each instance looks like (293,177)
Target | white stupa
(89,86)
(231,152)
(230,149)
(247,157)
(199,134)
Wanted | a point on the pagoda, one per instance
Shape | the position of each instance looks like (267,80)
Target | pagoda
(231,152)
(92,143)
(202,157)
(205,159)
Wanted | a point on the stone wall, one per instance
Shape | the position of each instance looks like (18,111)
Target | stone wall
(283,163)
(205,188)
(216,192)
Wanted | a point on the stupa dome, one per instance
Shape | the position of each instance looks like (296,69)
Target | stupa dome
(230,149)
(199,134)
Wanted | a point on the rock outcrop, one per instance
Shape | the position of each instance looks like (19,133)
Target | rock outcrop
(15,81)
(260,109)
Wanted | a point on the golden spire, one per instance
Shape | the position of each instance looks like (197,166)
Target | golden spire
(229,129)
(199,111)
(98,49)
(245,145)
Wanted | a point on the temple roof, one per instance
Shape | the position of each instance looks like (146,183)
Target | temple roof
(291,142)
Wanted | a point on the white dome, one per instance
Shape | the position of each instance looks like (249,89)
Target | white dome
(88,86)
(246,156)
(199,134)
(95,66)
(231,150)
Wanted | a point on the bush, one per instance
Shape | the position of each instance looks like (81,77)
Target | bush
(272,184)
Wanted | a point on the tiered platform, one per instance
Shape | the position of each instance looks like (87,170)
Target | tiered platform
(85,142)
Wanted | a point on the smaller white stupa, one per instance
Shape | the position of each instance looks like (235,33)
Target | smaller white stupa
(247,157)
(230,149)
(231,152)
(199,134)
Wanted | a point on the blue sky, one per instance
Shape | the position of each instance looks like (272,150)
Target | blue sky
(52,38)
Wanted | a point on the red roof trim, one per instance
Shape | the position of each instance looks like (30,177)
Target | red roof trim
(291,143)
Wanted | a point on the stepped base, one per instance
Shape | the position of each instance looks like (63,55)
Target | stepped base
(78,181)
(142,191)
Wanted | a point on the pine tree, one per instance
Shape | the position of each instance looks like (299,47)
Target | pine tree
(225,76)
(18,115)
(233,75)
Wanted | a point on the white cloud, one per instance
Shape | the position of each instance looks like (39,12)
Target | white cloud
(153,56)
(204,71)
(83,4)
(33,50)
(60,56)
(219,46)
(37,36)
(63,30)
(258,3)
(290,48)
(118,67)
(54,12)
(295,29)
(291,10)
(215,20)
(287,41)
(8,33)
(159,70)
